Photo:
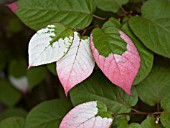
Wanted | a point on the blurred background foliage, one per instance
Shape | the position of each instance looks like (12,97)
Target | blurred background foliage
(21,89)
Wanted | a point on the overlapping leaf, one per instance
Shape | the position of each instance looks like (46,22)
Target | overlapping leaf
(86,115)
(165,116)
(9,96)
(145,54)
(77,64)
(110,5)
(153,28)
(116,56)
(99,88)
(157,85)
(49,44)
(47,114)
(39,13)
(12,122)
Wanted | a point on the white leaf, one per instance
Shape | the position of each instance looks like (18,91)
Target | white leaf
(20,83)
(77,64)
(49,44)
(85,116)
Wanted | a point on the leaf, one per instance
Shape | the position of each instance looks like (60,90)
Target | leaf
(85,116)
(36,75)
(17,68)
(110,5)
(153,28)
(49,44)
(74,14)
(134,125)
(122,124)
(8,95)
(77,64)
(52,68)
(98,87)
(165,117)
(145,55)
(20,83)
(13,112)
(13,6)
(157,84)
(116,56)
(112,22)
(149,122)
(12,122)
(47,114)
(17,74)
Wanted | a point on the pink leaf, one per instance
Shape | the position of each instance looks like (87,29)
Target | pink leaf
(85,116)
(119,69)
(77,64)
(13,6)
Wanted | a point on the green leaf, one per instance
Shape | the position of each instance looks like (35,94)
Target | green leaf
(110,5)
(165,117)
(135,1)
(145,55)
(36,75)
(47,114)
(12,122)
(149,122)
(17,67)
(99,88)
(122,124)
(112,22)
(102,110)
(153,28)
(157,85)
(2,60)
(134,125)
(108,40)
(11,112)
(52,68)
(8,95)
(39,13)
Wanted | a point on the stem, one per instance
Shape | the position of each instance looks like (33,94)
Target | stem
(100,18)
(123,10)
(158,107)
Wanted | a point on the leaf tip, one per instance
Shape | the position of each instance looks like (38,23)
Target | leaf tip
(13,6)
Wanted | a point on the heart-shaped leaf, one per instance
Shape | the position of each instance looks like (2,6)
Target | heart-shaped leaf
(87,115)
(116,56)
(77,64)
(49,44)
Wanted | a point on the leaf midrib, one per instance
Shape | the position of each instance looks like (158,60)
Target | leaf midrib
(154,22)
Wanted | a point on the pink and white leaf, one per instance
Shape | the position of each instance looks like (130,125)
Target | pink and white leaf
(77,64)
(20,83)
(42,51)
(121,70)
(85,116)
